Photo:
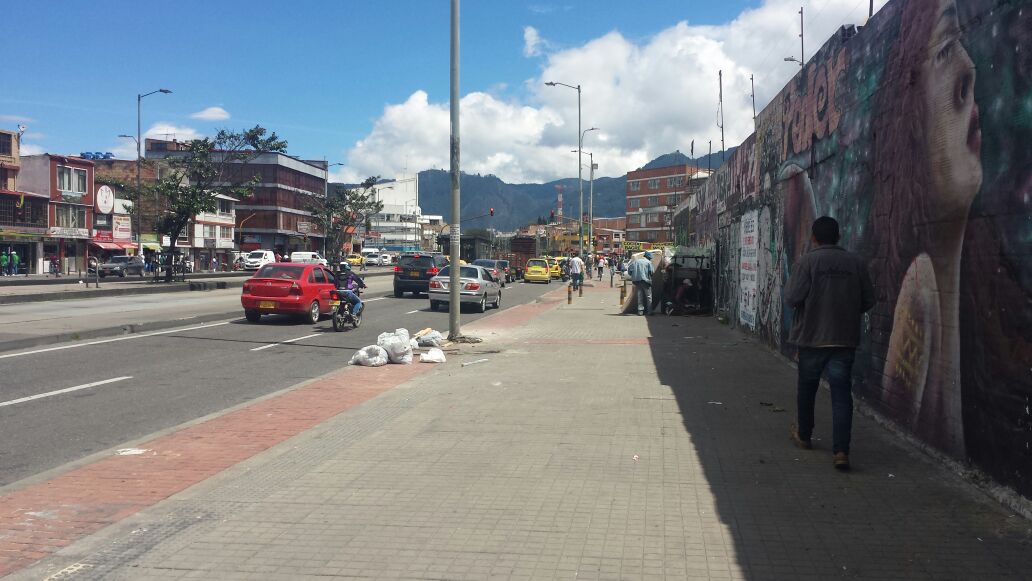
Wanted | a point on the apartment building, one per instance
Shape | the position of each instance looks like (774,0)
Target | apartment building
(652,196)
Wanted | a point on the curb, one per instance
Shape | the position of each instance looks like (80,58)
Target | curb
(64,278)
(106,332)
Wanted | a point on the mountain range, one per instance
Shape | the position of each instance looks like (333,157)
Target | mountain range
(516,205)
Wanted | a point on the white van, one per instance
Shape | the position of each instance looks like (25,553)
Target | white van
(307,258)
(371,256)
(259,258)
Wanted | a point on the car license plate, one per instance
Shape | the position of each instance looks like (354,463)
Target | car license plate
(413,273)
(334,303)
(267,305)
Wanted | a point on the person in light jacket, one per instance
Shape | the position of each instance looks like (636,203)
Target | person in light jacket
(830,289)
(640,270)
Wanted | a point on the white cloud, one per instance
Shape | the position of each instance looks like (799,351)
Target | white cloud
(531,42)
(648,97)
(30,149)
(126,147)
(15,119)
(211,114)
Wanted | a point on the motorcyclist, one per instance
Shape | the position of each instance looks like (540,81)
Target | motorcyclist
(349,285)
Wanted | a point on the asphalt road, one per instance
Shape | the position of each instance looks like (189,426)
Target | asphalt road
(136,385)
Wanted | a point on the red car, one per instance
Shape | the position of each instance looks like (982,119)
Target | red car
(288,288)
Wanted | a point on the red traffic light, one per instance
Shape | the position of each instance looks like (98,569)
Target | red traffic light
(492,211)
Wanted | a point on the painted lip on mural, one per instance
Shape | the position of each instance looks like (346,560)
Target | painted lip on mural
(974,131)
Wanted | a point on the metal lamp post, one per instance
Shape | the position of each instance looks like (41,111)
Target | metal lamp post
(139,137)
(580,173)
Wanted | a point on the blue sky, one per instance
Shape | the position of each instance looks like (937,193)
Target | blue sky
(366,83)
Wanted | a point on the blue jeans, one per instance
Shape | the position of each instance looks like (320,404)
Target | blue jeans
(356,303)
(644,291)
(837,362)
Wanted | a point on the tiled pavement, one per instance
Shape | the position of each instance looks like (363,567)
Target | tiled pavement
(588,446)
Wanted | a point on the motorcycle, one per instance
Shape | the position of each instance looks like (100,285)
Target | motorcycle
(342,315)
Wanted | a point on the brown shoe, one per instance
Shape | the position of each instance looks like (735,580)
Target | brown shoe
(841,461)
(793,433)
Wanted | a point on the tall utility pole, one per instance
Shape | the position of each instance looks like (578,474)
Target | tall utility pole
(709,157)
(802,49)
(139,198)
(454,332)
(580,168)
(591,201)
(720,97)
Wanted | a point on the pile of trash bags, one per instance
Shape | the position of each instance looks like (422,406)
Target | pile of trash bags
(398,347)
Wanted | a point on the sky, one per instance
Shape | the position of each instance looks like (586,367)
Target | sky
(366,85)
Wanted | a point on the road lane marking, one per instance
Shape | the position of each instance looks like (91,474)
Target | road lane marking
(411,312)
(376,299)
(285,342)
(122,338)
(65,390)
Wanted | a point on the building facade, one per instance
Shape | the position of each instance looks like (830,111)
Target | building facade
(278,216)
(397,227)
(67,183)
(24,216)
(609,235)
(652,196)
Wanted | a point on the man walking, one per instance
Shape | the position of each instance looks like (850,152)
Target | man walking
(640,271)
(14,263)
(4,260)
(576,271)
(829,290)
(601,267)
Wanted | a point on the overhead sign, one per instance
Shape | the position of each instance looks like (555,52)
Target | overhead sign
(56,232)
(105,200)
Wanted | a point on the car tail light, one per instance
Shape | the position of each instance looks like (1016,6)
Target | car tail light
(397,269)
(334,295)
(494,272)
(295,289)
(472,286)
(247,288)
(433,270)
(435,284)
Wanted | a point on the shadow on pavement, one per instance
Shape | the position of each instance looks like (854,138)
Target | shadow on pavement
(789,513)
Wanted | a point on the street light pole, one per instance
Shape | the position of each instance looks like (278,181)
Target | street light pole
(454,332)
(580,169)
(139,196)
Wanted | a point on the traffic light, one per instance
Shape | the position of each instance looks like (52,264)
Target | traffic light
(492,211)
(551,217)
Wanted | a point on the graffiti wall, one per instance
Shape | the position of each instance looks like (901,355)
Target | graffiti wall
(913,132)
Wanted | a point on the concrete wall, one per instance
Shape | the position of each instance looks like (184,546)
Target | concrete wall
(913,133)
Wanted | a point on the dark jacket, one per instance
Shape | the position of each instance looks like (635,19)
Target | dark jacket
(830,289)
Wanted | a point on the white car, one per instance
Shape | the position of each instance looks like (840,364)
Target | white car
(308,258)
(259,258)
(479,288)
(386,259)
(372,260)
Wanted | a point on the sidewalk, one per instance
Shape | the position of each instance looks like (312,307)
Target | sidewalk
(588,446)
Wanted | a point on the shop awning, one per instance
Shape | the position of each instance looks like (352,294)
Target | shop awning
(30,194)
(106,245)
(152,246)
(127,245)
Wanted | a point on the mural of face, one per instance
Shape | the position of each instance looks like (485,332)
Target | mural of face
(954,136)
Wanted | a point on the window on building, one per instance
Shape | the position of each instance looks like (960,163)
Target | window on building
(5,144)
(102,221)
(635,186)
(208,230)
(670,182)
(641,220)
(634,203)
(3,180)
(654,184)
(226,232)
(653,201)
(680,181)
(71,179)
(69,216)
(225,207)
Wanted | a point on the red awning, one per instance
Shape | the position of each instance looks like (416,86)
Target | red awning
(106,245)
(126,245)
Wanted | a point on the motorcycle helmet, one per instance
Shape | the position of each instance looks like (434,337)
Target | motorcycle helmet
(345,267)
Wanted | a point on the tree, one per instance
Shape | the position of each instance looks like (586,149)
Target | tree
(342,211)
(202,170)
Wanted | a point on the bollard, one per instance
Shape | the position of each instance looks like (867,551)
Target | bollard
(623,293)
(580,289)
(569,294)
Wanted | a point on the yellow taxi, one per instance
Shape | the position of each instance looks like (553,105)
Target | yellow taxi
(354,259)
(537,271)
(555,268)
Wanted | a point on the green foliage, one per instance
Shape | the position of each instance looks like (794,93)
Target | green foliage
(203,170)
(341,211)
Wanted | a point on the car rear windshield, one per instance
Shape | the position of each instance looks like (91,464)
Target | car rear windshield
(119,259)
(540,263)
(484,262)
(464,272)
(280,271)
(416,262)
(256,254)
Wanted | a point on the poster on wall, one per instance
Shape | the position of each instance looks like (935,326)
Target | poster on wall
(748,264)
(121,227)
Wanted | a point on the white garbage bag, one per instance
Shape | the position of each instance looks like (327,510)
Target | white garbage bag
(413,344)
(371,356)
(431,339)
(434,355)
(397,346)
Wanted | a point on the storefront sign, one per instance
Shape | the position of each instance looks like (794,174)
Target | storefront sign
(121,227)
(748,266)
(56,232)
(105,200)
